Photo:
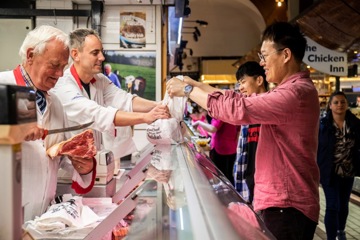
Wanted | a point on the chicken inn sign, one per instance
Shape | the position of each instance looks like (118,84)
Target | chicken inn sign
(325,60)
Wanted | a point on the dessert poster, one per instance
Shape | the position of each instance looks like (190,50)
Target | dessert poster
(132,29)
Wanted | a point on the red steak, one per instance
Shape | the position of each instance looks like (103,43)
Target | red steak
(81,145)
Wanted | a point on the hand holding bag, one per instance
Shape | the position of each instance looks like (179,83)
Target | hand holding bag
(169,131)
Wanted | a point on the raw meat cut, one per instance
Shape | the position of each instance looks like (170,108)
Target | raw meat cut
(81,145)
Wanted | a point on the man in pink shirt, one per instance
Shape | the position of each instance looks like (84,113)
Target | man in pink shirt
(286,176)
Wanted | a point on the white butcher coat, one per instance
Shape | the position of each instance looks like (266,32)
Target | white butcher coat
(39,172)
(105,100)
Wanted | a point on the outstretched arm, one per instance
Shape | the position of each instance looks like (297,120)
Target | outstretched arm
(140,104)
(203,86)
(206,126)
(132,118)
(199,94)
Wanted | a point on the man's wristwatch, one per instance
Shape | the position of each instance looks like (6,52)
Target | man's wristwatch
(187,90)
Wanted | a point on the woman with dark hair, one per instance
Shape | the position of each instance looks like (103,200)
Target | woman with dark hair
(338,159)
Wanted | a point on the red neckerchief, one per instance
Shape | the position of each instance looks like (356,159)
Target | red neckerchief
(19,77)
(77,78)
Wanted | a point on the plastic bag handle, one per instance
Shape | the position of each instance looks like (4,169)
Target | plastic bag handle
(166,99)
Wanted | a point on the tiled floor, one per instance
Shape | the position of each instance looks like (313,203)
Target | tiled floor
(353,222)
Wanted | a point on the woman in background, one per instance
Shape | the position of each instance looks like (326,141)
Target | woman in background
(223,144)
(338,160)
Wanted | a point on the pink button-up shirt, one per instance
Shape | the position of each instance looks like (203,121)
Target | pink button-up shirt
(286,171)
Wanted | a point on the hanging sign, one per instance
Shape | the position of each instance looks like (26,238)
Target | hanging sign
(325,60)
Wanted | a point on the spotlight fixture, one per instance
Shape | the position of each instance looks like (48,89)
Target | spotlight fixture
(180,54)
(190,51)
(202,23)
(197,31)
(178,58)
(183,44)
(195,36)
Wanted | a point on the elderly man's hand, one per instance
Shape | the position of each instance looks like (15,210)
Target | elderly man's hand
(82,165)
(34,133)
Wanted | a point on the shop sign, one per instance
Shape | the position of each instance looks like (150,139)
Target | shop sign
(325,60)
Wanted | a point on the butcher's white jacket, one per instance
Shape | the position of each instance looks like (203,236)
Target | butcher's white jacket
(104,101)
(39,172)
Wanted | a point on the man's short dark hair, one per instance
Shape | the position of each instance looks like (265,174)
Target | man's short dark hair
(286,35)
(251,69)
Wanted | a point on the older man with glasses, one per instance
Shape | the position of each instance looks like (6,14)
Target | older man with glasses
(286,177)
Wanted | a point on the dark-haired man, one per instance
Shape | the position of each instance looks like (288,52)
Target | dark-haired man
(286,177)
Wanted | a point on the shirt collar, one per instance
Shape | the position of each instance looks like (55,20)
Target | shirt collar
(22,78)
(77,78)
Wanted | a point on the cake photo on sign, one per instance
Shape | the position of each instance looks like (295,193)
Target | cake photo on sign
(132,29)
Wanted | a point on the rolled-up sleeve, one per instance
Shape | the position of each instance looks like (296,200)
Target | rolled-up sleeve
(238,109)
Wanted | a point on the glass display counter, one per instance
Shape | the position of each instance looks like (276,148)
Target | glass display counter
(175,192)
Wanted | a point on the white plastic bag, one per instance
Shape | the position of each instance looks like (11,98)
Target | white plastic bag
(71,213)
(169,131)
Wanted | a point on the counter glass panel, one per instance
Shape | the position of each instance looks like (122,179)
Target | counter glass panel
(185,196)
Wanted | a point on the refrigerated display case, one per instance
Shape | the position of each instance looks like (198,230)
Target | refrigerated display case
(176,192)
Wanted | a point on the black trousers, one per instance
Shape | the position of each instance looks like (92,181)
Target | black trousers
(288,224)
(225,163)
(337,195)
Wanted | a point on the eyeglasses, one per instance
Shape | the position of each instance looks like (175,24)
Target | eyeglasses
(262,57)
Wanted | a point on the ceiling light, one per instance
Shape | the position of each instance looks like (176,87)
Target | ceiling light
(190,51)
(279,2)
(195,35)
(179,30)
(202,23)
(183,44)
(197,31)
(178,58)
